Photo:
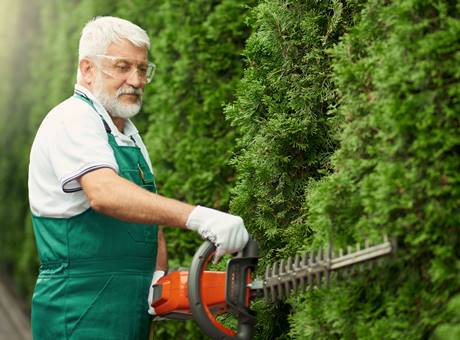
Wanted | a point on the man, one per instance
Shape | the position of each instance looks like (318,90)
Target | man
(94,203)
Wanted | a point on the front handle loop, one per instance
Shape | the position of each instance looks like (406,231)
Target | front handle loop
(201,313)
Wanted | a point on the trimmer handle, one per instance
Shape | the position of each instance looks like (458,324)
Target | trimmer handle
(236,291)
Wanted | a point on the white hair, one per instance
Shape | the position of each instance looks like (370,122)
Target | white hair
(100,32)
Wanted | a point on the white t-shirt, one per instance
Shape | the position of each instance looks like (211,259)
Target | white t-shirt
(70,142)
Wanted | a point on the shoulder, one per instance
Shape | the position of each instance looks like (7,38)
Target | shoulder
(71,115)
(70,120)
(73,111)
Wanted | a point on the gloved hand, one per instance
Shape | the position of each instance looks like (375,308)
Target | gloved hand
(156,276)
(226,231)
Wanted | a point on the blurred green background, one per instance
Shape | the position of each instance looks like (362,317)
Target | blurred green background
(313,120)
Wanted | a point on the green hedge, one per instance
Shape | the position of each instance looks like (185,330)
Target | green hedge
(285,114)
(396,172)
(387,95)
(197,47)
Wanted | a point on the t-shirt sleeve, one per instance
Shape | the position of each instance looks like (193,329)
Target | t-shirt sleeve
(79,145)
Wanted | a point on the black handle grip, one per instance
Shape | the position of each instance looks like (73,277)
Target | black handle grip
(201,313)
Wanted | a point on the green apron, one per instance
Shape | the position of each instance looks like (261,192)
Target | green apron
(96,270)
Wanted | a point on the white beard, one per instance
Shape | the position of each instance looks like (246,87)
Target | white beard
(112,104)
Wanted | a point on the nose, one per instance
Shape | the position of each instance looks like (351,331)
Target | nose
(135,80)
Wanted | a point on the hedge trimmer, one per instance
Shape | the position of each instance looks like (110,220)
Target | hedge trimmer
(205,295)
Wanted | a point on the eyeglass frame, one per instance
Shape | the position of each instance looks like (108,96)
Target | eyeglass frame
(128,60)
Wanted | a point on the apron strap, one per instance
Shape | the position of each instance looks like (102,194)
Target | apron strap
(134,141)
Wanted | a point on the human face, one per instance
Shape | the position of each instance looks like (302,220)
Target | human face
(121,96)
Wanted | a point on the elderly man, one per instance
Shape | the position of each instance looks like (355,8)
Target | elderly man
(93,198)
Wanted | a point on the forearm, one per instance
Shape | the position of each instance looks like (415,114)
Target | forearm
(117,197)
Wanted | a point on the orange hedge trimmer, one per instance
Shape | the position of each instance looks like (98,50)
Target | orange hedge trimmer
(204,295)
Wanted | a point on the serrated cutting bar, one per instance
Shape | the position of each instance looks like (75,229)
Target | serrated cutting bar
(308,270)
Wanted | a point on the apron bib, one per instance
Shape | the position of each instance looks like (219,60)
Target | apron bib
(95,270)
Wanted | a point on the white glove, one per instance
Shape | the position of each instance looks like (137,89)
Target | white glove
(156,276)
(226,231)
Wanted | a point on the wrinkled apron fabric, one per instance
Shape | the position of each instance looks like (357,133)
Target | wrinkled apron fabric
(95,270)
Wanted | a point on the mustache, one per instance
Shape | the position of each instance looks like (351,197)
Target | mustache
(130,90)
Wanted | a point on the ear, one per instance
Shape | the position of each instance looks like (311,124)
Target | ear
(87,70)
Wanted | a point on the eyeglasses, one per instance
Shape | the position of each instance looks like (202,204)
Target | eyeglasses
(123,68)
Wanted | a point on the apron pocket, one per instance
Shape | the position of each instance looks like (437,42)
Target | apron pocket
(105,307)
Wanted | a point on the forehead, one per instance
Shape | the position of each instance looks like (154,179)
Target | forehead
(126,49)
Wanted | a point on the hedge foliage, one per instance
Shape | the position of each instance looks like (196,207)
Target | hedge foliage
(284,115)
(314,120)
(395,172)
(198,48)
